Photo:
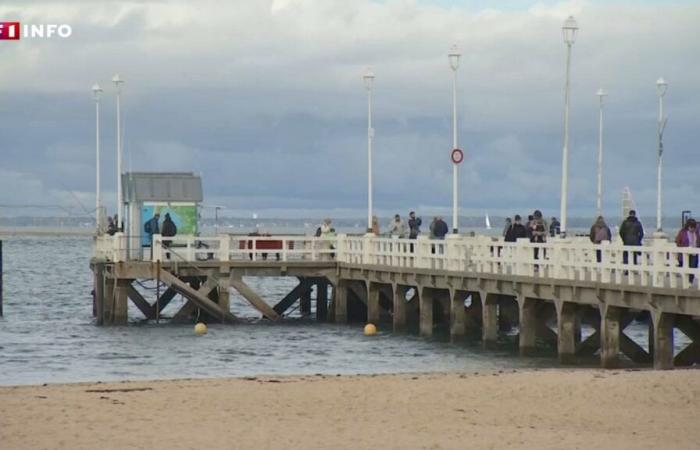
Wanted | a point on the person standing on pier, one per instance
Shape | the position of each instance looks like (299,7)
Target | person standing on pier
(414,224)
(516,231)
(151,227)
(375,226)
(397,228)
(554,227)
(599,232)
(438,229)
(506,227)
(632,233)
(689,236)
(169,229)
(111,226)
(538,231)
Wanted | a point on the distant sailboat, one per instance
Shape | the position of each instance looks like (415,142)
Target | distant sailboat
(488,222)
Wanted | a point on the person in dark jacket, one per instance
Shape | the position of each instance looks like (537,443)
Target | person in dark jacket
(169,229)
(632,233)
(554,227)
(439,228)
(151,227)
(516,231)
(689,236)
(414,225)
(111,226)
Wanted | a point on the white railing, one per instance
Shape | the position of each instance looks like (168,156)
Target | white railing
(661,264)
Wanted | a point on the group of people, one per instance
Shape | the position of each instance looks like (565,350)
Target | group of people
(167,229)
(411,230)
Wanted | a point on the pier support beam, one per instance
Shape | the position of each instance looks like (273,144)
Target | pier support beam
(426,297)
(340,302)
(373,303)
(224,295)
(399,299)
(568,332)
(610,317)
(458,325)
(322,300)
(663,339)
(305,297)
(691,328)
(99,293)
(489,319)
(528,325)
(121,302)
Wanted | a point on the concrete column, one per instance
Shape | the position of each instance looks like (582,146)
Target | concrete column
(121,302)
(489,319)
(567,332)
(373,303)
(99,293)
(305,298)
(425,298)
(340,302)
(457,316)
(399,318)
(224,296)
(321,300)
(528,325)
(610,317)
(663,340)
(108,305)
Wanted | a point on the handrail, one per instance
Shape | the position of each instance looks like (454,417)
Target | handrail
(661,264)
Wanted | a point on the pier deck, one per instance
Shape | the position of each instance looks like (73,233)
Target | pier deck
(471,285)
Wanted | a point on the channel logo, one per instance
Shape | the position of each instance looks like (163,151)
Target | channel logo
(13,31)
(9,31)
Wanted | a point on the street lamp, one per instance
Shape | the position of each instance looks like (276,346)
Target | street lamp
(453,58)
(661,87)
(569,31)
(368,79)
(96,91)
(601,95)
(120,204)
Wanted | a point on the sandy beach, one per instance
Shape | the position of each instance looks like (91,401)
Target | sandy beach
(515,409)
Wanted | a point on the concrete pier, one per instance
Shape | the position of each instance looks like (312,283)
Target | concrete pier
(412,288)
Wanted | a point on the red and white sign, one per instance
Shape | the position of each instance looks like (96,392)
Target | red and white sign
(9,31)
(457,156)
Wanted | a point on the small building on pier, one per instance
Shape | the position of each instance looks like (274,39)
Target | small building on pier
(147,193)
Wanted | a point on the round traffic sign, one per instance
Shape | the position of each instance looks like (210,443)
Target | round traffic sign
(457,156)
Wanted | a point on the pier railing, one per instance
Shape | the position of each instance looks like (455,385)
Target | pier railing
(661,264)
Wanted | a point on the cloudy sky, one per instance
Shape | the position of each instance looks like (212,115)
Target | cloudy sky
(265,99)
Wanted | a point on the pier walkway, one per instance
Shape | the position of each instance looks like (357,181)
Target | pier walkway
(476,286)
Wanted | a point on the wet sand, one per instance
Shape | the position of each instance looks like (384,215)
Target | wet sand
(524,409)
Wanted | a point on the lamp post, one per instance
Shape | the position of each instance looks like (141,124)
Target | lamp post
(453,58)
(120,204)
(599,204)
(661,87)
(569,31)
(368,79)
(96,91)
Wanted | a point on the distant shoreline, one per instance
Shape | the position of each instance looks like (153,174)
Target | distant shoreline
(45,231)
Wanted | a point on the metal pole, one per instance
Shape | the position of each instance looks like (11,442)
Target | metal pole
(120,206)
(565,153)
(659,163)
(455,174)
(600,155)
(370,132)
(98,201)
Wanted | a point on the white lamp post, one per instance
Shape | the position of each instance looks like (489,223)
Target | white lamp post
(569,31)
(96,91)
(453,58)
(368,79)
(599,204)
(120,204)
(661,87)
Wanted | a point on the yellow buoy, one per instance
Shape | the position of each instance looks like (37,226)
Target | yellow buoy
(200,328)
(370,329)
